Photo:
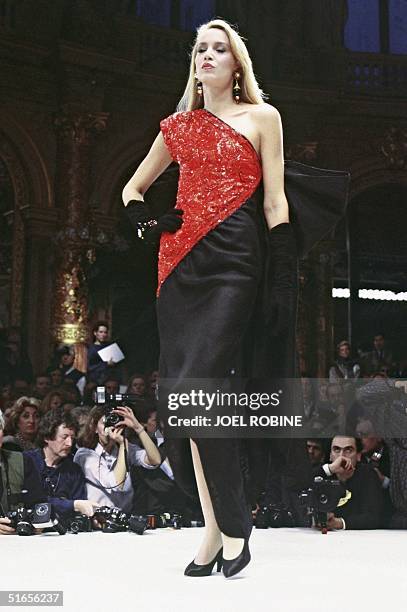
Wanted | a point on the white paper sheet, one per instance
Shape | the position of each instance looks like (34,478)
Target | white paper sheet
(112,351)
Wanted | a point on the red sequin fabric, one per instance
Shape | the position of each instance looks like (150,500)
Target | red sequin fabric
(219,170)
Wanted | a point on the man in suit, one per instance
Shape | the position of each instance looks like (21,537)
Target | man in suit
(380,357)
(362,506)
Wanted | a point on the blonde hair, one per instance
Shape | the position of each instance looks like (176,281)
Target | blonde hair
(250,91)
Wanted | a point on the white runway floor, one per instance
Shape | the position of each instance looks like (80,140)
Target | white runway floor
(294,570)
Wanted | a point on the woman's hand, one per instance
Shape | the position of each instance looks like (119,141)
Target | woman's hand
(128,419)
(115,434)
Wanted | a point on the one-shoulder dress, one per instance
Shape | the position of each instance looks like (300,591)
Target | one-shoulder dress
(208,277)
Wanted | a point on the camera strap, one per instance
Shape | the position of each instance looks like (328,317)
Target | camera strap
(101,488)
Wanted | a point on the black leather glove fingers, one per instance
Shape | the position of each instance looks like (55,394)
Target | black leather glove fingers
(170,221)
(149,228)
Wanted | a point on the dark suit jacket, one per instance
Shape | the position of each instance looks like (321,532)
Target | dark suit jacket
(364,508)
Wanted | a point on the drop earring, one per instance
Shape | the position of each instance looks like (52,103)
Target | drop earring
(236,88)
(199,88)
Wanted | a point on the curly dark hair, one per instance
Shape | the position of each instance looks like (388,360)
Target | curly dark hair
(50,423)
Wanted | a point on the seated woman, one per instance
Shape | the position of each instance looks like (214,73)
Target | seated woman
(54,399)
(101,455)
(22,424)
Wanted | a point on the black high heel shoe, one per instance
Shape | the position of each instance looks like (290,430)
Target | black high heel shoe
(234,566)
(205,570)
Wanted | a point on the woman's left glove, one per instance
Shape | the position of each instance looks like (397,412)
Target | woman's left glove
(148,228)
(282,279)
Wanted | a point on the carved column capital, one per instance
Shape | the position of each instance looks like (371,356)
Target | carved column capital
(80,127)
(394,147)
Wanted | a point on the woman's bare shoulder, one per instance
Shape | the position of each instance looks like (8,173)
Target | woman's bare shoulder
(265,112)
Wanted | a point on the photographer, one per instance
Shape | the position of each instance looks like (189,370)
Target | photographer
(17,473)
(62,480)
(102,457)
(362,506)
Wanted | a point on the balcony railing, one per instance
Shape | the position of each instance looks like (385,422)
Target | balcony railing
(372,73)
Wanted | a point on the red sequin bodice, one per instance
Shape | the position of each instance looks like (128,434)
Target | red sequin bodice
(219,170)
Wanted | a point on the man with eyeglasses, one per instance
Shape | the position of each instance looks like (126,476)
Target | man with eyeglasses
(362,506)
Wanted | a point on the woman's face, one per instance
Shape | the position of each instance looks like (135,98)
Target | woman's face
(101,431)
(56,378)
(138,386)
(28,422)
(56,402)
(151,424)
(214,61)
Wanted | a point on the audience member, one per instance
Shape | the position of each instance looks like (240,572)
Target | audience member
(53,400)
(62,480)
(22,423)
(344,367)
(362,507)
(97,368)
(137,385)
(381,356)
(70,373)
(112,385)
(42,386)
(376,454)
(17,474)
(317,452)
(101,455)
(56,376)
(152,381)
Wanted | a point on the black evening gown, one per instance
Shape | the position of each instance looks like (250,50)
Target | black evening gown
(209,273)
(215,289)
(211,294)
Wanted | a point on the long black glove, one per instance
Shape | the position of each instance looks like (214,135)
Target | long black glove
(282,279)
(148,228)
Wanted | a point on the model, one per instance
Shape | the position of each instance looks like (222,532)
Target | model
(228,144)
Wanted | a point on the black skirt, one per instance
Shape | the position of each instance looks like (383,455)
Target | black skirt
(204,309)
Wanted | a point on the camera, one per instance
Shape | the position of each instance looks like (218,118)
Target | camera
(273,515)
(26,520)
(322,497)
(111,401)
(114,520)
(80,523)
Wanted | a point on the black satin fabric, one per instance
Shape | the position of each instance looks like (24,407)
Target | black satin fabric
(204,309)
(211,321)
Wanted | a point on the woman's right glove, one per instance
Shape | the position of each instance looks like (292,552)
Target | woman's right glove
(282,278)
(148,228)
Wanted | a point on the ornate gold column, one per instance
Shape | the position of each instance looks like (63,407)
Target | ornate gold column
(76,132)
